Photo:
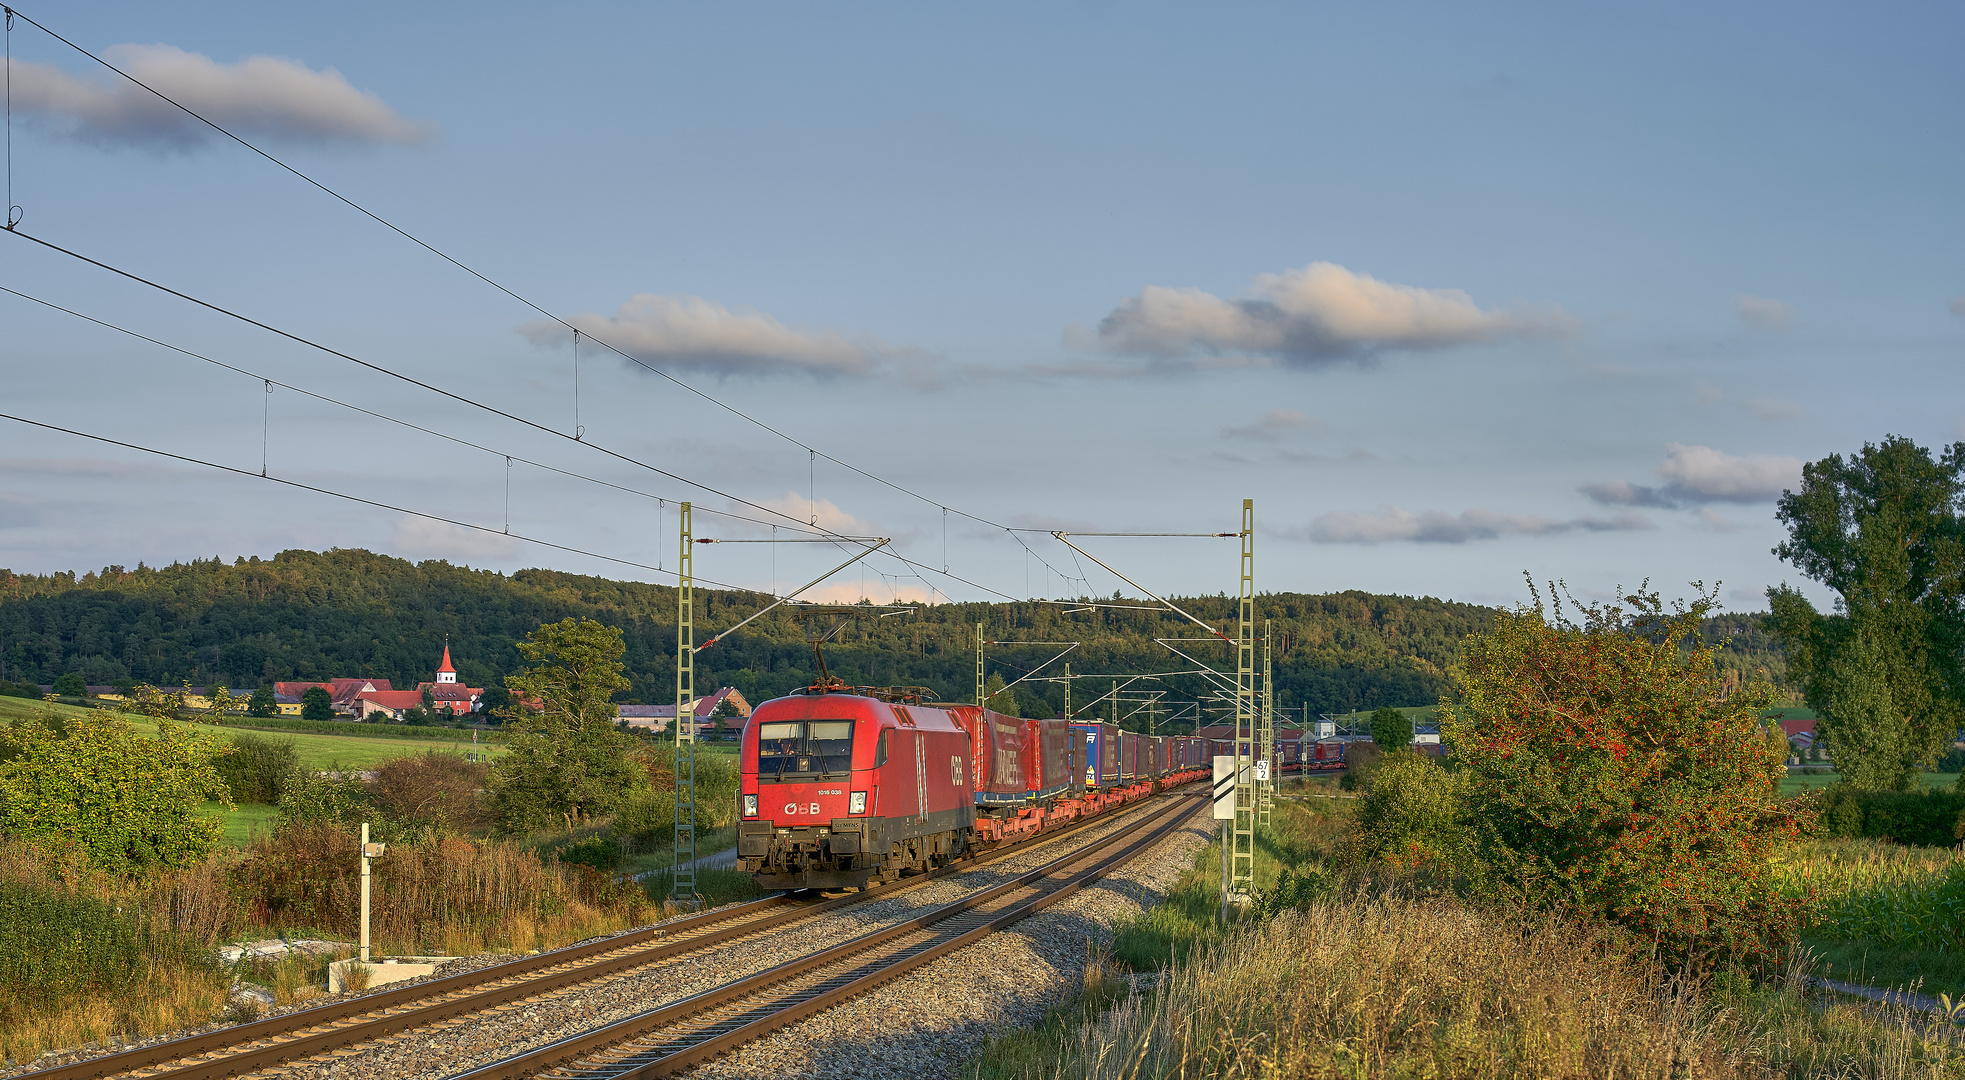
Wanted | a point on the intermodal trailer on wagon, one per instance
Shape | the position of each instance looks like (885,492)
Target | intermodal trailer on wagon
(1101,745)
(841,787)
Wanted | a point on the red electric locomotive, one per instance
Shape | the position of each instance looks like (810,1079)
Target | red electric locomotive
(840,788)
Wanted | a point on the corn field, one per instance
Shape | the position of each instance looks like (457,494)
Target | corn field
(1860,889)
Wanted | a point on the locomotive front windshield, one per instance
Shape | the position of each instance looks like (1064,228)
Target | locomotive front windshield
(804,748)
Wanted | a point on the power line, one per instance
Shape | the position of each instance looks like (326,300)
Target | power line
(413,381)
(814,452)
(271,382)
(355,498)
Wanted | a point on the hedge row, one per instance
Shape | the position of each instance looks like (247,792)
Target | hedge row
(1929,818)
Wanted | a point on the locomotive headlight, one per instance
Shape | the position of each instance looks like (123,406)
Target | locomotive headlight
(750,806)
(857,803)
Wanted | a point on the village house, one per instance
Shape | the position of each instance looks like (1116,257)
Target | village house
(656,718)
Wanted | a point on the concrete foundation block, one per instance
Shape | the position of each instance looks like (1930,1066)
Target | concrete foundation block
(383,970)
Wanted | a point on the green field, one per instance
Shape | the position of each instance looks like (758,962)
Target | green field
(241,823)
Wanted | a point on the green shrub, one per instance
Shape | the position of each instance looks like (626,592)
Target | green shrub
(1606,773)
(257,768)
(597,851)
(1293,891)
(1360,758)
(1411,813)
(648,817)
(1926,818)
(93,783)
(56,945)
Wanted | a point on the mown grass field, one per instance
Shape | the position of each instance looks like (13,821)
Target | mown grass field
(243,822)
(325,750)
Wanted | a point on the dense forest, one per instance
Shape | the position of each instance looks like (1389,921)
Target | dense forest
(314,615)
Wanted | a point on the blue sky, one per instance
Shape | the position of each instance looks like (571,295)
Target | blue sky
(1452,293)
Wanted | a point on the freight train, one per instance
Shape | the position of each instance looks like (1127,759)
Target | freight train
(846,786)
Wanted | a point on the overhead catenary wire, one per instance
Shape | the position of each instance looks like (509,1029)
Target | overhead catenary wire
(410,379)
(813,453)
(828,536)
(317,396)
(376,503)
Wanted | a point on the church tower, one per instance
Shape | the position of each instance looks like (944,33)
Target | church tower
(446,673)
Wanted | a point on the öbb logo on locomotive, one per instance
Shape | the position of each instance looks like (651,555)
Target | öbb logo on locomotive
(861,801)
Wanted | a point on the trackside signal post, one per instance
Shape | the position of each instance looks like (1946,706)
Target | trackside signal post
(1240,885)
(684,889)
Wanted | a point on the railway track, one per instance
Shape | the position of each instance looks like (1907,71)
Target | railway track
(246,1048)
(671,1039)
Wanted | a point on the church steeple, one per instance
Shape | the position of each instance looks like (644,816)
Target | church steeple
(446,673)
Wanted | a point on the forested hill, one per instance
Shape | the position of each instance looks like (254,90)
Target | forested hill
(314,615)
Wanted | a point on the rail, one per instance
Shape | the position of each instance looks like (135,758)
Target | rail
(265,1043)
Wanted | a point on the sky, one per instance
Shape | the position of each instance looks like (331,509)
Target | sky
(1454,293)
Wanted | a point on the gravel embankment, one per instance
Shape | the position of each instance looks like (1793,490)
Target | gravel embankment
(925,1024)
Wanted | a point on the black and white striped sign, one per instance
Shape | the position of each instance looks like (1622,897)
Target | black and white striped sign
(1224,788)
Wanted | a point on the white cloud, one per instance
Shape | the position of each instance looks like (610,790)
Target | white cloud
(821,513)
(1389,523)
(1704,473)
(256,97)
(1701,474)
(1958,305)
(1269,426)
(1761,313)
(422,538)
(690,332)
(1315,315)
(1773,408)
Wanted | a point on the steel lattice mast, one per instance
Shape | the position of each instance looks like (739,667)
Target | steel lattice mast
(1266,786)
(1242,853)
(684,890)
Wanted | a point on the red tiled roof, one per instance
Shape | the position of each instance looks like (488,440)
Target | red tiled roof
(297,689)
(392,699)
(1791,728)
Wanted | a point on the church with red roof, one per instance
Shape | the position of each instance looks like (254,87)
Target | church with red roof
(446,695)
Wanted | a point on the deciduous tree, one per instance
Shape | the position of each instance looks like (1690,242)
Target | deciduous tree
(317,704)
(262,703)
(566,761)
(1390,729)
(1882,530)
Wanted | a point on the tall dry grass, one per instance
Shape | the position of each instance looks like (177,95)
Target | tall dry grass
(88,957)
(1399,986)
(445,896)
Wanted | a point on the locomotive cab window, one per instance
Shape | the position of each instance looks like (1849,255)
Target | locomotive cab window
(804,748)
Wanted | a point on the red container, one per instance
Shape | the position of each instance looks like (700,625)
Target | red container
(1004,753)
(1057,764)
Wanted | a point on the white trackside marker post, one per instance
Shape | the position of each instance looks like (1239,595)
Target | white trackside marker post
(369,851)
(1224,812)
